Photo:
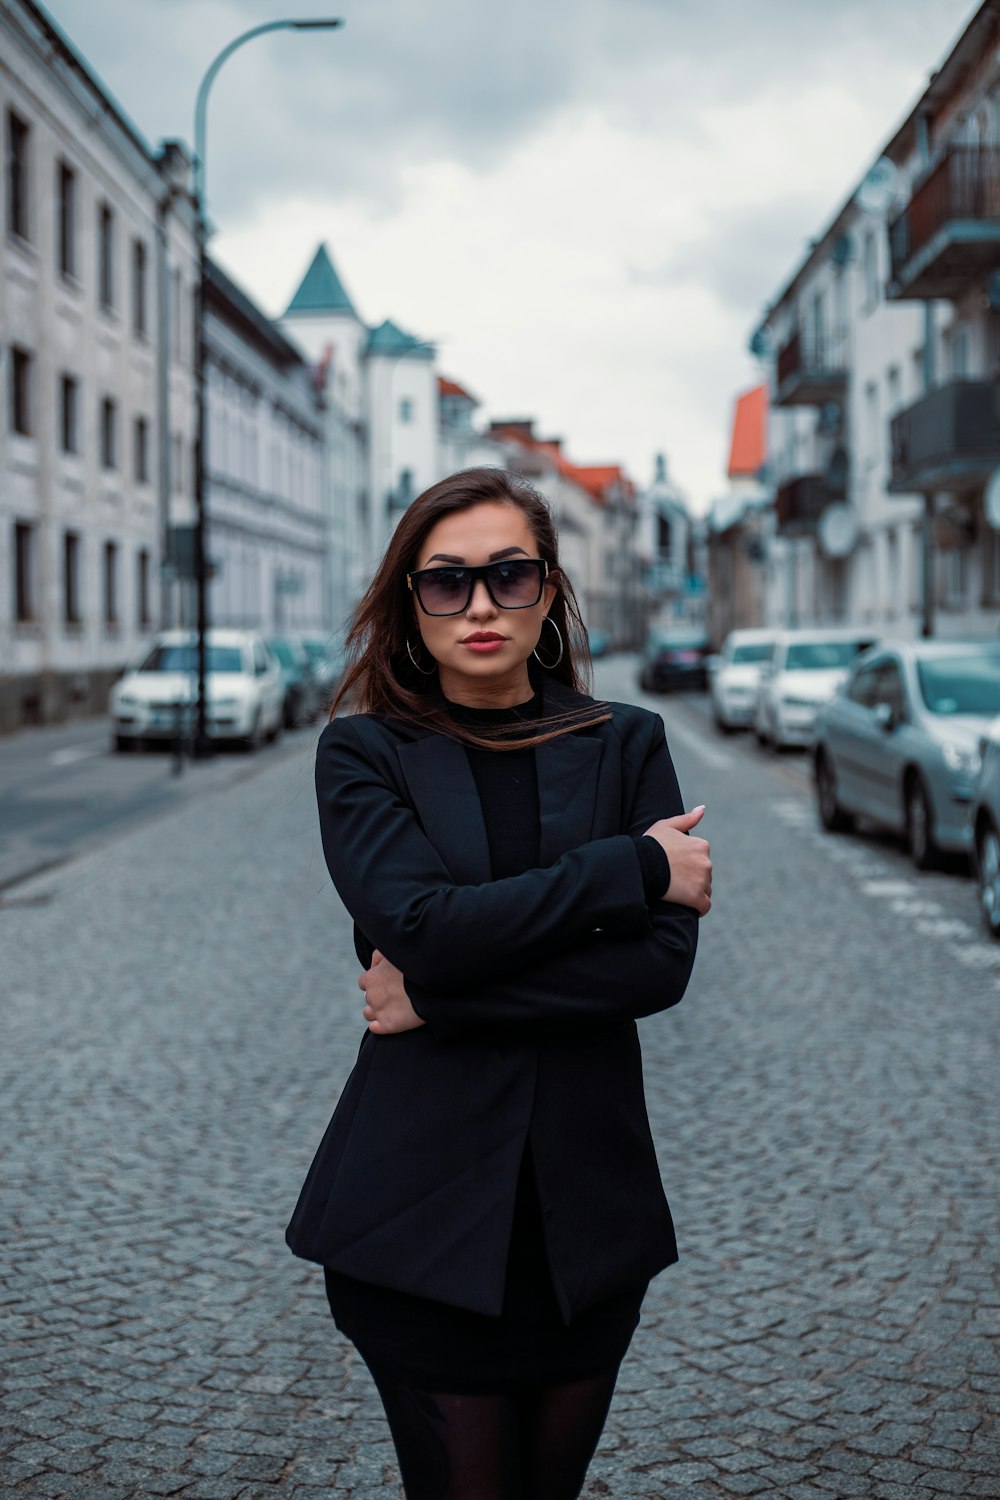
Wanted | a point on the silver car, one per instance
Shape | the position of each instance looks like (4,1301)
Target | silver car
(900,744)
(986,829)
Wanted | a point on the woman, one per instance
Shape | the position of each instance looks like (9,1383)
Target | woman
(486,1201)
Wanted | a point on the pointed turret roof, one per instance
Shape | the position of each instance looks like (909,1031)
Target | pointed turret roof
(320,290)
(388,338)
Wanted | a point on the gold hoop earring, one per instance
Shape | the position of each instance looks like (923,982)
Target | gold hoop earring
(548,665)
(424,671)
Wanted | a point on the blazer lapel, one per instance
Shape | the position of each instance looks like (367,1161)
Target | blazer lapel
(444,795)
(567,779)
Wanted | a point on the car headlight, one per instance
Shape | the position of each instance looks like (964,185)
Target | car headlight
(962,761)
(787,702)
(126,700)
(226,705)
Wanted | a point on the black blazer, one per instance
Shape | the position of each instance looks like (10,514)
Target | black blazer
(530,987)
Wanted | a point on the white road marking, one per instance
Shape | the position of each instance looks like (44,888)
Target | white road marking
(72,753)
(707,753)
(978,957)
(887,888)
(945,927)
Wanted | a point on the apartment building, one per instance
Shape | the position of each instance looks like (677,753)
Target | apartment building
(97,275)
(883,355)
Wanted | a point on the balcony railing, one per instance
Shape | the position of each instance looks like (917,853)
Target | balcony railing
(810,371)
(949,232)
(799,503)
(948,440)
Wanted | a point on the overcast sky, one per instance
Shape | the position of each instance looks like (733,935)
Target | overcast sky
(586,202)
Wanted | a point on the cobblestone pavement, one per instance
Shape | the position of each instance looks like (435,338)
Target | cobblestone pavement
(179,1010)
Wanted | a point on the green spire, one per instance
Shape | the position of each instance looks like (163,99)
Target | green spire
(320,290)
(388,338)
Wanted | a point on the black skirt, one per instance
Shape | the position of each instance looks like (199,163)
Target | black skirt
(436,1347)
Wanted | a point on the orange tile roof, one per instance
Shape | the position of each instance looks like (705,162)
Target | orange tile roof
(748,447)
(452,388)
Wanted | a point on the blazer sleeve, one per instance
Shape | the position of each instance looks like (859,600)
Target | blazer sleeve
(444,936)
(604,977)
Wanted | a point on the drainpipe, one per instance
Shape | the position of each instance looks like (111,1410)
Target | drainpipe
(163,396)
(927,624)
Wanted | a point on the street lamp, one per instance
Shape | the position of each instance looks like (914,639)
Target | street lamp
(202,744)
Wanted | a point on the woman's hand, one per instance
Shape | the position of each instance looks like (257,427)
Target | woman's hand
(387,1005)
(690,865)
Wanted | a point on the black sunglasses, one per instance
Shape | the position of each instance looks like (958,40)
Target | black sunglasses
(514,583)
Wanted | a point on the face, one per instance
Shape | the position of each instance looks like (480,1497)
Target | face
(493,673)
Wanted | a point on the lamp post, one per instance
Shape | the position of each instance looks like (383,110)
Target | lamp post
(202,744)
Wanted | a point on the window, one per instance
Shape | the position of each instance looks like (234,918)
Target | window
(71,578)
(20,391)
(66,219)
(890,689)
(864,685)
(138,288)
(18,133)
(141,451)
(24,571)
(110,583)
(870,269)
(960,352)
(109,434)
(176,290)
(178,464)
(142,588)
(106,256)
(873,433)
(406,409)
(69,414)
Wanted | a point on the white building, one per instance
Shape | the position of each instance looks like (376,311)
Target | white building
(264,470)
(97,269)
(664,541)
(885,422)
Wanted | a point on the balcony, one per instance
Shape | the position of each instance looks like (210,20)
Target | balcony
(948,235)
(810,372)
(799,503)
(948,440)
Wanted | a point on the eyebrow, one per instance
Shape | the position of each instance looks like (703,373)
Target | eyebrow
(494,556)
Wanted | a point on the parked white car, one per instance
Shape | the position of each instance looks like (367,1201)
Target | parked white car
(734,677)
(986,829)
(244,689)
(805,670)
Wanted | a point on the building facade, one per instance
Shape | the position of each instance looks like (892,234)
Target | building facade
(97,275)
(883,355)
(264,471)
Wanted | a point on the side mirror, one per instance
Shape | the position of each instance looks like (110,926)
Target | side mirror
(885,717)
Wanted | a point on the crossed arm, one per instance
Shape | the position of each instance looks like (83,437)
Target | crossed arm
(573,944)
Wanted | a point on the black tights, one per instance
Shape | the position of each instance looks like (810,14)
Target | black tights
(533,1444)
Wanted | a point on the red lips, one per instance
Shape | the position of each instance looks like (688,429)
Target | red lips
(481,635)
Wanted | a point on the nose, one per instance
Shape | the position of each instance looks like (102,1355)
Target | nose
(480,603)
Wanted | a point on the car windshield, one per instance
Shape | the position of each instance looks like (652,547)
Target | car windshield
(819,656)
(759,651)
(285,653)
(967,684)
(178,658)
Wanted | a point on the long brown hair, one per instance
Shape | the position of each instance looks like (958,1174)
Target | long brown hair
(381,677)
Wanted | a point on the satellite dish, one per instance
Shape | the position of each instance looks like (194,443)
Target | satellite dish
(991,500)
(879,187)
(838,529)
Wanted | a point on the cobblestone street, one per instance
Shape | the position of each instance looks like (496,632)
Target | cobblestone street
(180,1008)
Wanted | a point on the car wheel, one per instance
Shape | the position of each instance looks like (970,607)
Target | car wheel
(919,822)
(123,743)
(277,730)
(988,866)
(831,814)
